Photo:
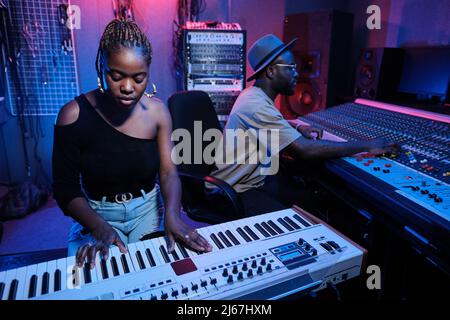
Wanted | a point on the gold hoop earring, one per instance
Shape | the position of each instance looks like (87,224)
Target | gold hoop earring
(100,85)
(149,95)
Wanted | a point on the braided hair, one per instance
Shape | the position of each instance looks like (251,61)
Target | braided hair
(121,33)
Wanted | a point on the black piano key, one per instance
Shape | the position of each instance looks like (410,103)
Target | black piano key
(261,229)
(32,288)
(13,290)
(123,259)
(164,254)
(57,286)
(251,233)
(45,283)
(140,260)
(183,251)
(2,289)
(87,273)
(292,223)
(114,267)
(285,224)
(75,276)
(275,227)
(104,268)
(175,255)
(301,220)
(243,234)
(150,258)
(216,241)
(224,239)
(232,237)
(268,228)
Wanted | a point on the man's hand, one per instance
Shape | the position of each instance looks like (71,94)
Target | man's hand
(381,146)
(310,132)
(177,229)
(104,236)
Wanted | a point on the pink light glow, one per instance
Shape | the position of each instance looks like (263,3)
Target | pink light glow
(405,110)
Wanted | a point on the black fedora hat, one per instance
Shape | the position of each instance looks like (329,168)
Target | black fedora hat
(264,51)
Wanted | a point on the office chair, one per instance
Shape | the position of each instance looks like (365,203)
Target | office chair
(200,204)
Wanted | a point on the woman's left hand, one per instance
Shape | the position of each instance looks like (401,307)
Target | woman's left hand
(177,229)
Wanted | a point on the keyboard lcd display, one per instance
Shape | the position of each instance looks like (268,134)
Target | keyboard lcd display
(290,256)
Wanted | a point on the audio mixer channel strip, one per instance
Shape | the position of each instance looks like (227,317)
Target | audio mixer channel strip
(414,184)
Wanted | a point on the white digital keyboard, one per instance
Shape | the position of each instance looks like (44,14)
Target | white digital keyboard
(264,257)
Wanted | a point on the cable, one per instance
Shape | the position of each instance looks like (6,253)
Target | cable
(336,290)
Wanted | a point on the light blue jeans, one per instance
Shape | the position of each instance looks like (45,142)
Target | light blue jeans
(131,220)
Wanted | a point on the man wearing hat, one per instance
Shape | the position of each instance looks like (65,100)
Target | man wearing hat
(254,111)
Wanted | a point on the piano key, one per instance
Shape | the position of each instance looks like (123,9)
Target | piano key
(10,276)
(127,265)
(228,231)
(73,273)
(261,230)
(216,241)
(132,250)
(129,261)
(215,230)
(231,226)
(87,272)
(114,266)
(45,283)
(2,284)
(275,227)
(183,250)
(58,281)
(108,262)
(302,221)
(244,235)
(175,254)
(21,278)
(41,269)
(61,276)
(103,268)
(150,258)
(153,246)
(269,229)
(91,275)
(114,252)
(51,267)
(292,223)
(224,239)
(163,250)
(32,286)
(142,257)
(285,224)
(233,238)
(251,233)
(12,295)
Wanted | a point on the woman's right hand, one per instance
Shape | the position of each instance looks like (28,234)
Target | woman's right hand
(104,236)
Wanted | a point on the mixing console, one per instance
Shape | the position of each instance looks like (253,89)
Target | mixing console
(425,142)
(420,172)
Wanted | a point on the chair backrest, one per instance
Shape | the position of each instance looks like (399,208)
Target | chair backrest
(187,107)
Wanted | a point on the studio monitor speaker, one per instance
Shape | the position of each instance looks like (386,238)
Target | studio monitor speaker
(322,53)
(378,73)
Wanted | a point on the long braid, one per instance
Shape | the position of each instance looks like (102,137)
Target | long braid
(121,33)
